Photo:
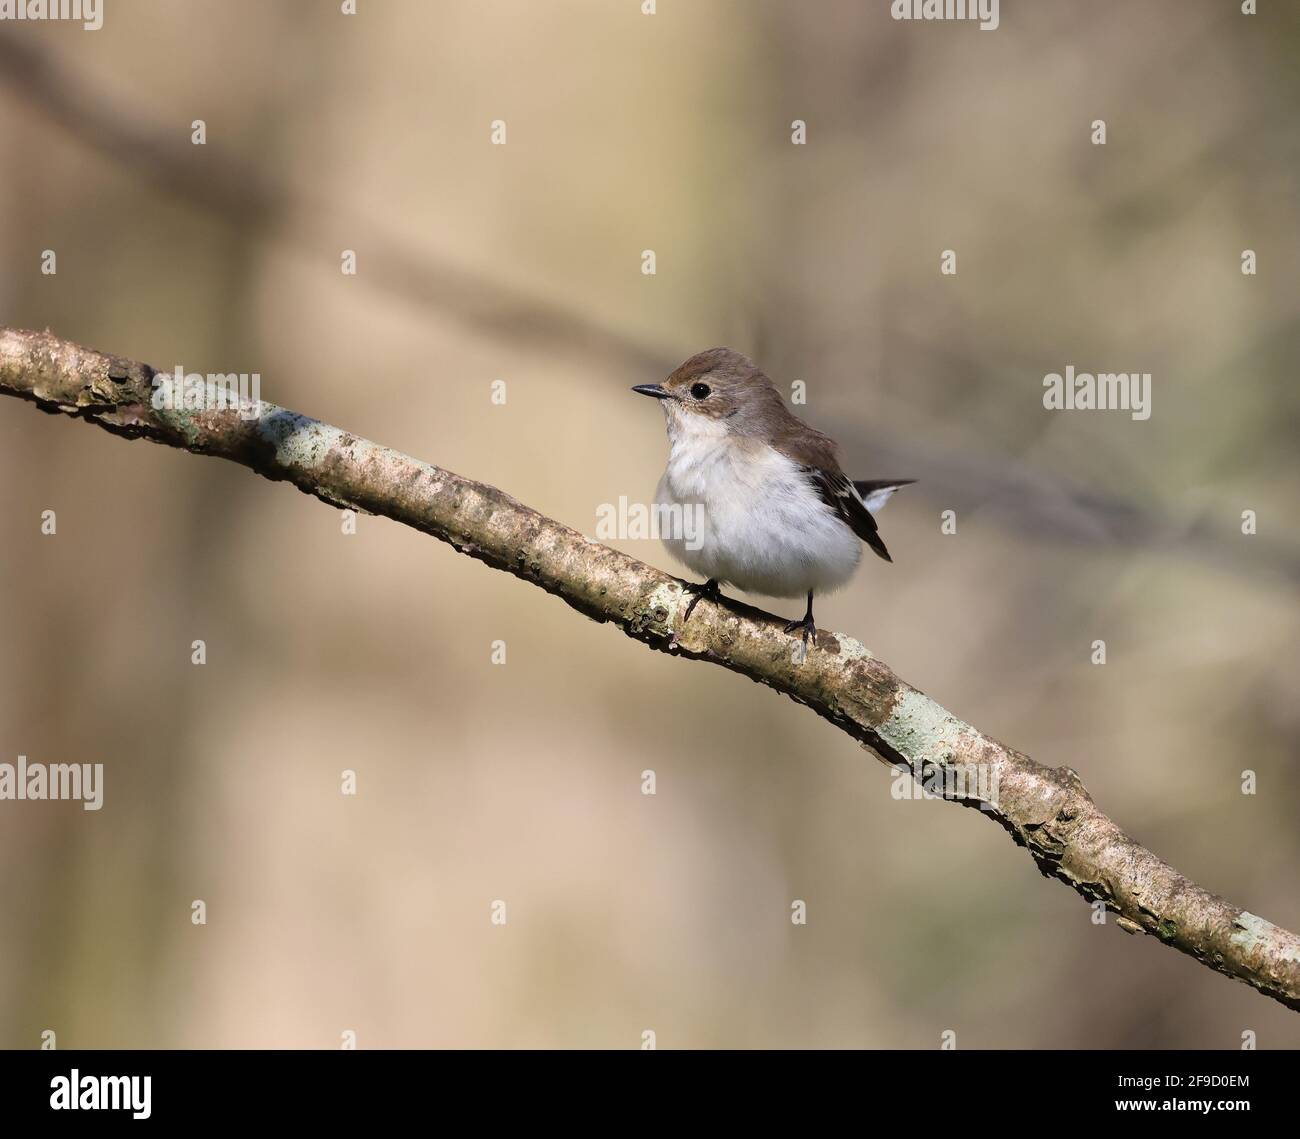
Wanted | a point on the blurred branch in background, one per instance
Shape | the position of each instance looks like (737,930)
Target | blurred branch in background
(1047,810)
(245,197)
(1022,496)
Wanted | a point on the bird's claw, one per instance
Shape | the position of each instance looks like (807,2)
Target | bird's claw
(709,589)
(809,631)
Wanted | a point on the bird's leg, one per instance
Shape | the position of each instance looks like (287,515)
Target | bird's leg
(807,625)
(709,589)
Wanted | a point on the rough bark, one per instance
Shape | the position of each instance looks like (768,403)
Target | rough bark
(1046,810)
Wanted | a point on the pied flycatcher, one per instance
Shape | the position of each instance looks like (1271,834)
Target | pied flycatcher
(777,514)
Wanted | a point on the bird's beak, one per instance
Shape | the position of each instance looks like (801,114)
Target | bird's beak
(655,390)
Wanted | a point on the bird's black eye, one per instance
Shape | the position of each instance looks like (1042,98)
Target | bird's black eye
(700,391)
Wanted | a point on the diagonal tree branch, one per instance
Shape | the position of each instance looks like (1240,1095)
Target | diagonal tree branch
(1046,810)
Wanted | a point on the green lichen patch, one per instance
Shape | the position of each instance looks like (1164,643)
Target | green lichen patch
(920,730)
(1252,933)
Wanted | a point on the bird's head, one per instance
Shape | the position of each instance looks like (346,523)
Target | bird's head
(716,392)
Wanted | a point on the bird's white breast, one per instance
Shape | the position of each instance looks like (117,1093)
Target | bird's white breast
(762,525)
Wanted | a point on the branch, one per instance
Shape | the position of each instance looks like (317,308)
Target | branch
(1046,810)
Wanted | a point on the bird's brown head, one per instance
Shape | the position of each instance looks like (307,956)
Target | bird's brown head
(717,391)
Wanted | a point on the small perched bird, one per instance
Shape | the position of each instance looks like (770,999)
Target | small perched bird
(777,514)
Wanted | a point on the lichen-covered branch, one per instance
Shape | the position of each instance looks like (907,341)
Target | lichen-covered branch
(1046,810)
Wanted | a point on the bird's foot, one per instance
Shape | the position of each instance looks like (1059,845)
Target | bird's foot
(809,630)
(709,589)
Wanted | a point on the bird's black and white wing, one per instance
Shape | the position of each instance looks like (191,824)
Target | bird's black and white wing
(856,502)
(876,492)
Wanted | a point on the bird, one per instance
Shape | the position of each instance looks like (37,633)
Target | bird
(775,513)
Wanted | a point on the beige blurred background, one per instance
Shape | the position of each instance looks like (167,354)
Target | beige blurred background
(521,781)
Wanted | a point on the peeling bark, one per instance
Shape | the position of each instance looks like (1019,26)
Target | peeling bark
(1046,810)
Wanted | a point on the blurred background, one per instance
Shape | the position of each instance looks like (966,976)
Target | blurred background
(521,781)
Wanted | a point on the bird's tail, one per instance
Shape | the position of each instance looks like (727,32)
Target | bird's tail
(875,492)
